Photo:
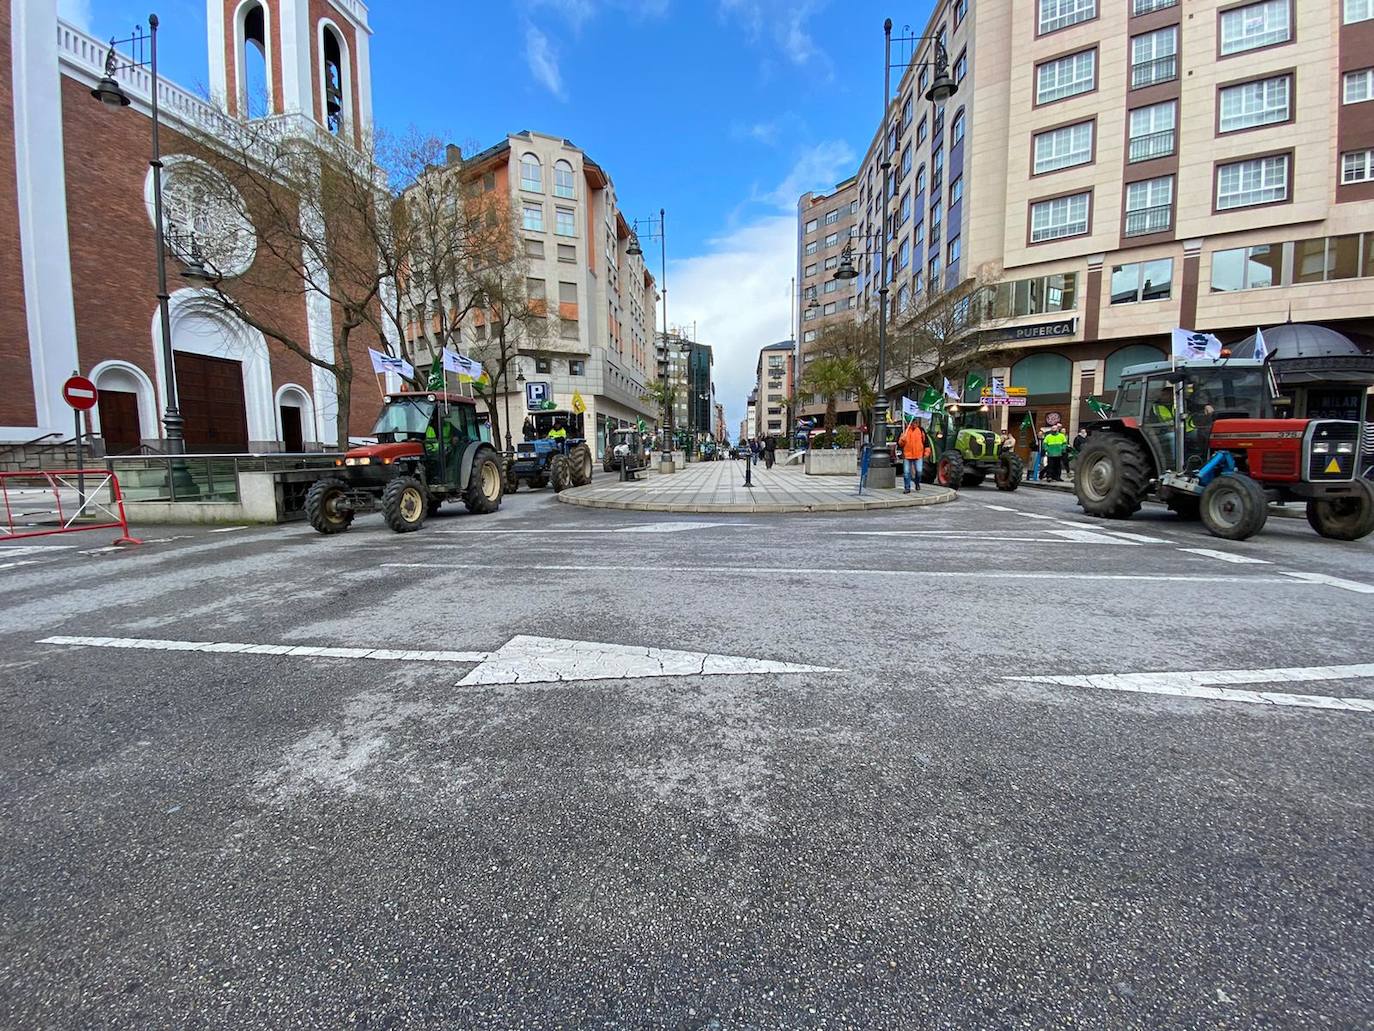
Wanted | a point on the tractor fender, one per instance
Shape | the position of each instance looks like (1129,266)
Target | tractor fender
(469,459)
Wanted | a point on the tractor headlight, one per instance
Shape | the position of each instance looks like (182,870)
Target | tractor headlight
(1321,447)
(1345,447)
(358,461)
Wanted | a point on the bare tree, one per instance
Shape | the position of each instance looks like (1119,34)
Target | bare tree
(947,333)
(511,321)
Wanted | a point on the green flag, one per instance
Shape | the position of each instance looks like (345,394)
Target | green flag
(1099,408)
(932,399)
(641,425)
(436,374)
(1027,423)
(972,384)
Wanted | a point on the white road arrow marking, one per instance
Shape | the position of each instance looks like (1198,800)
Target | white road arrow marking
(540,660)
(1226,556)
(1201,684)
(1332,581)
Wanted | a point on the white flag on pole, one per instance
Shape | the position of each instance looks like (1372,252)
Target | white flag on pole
(951,391)
(1261,349)
(1190,344)
(910,409)
(386,363)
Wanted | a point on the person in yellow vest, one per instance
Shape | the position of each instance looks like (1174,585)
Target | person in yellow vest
(1056,440)
(559,433)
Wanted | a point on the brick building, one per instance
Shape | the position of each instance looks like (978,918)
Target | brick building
(77,248)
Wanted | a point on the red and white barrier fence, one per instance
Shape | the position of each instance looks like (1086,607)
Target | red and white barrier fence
(50,501)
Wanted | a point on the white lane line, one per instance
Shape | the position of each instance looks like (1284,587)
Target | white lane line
(771,573)
(1035,515)
(1139,538)
(18,550)
(227,529)
(1331,581)
(102,551)
(1093,537)
(962,536)
(997,508)
(1201,684)
(1226,556)
(16,565)
(151,644)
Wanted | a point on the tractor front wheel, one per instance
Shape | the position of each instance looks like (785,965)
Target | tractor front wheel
(580,461)
(1113,475)
(404,504)
(483,492)
(1234,507)
(326,506)
(1344,519)
(561,473)
(950,471)
(1010,469)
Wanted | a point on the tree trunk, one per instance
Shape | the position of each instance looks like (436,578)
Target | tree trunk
(830,414)
(343,389)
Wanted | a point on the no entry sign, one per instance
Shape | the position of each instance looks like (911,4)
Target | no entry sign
(79,392)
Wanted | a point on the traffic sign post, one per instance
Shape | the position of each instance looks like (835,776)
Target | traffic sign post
(81,395)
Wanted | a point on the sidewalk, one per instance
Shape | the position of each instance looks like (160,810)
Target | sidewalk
(719,487)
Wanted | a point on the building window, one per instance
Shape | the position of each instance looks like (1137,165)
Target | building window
(961,66)
(831,286)
(534,249)
(1139,7)
(1357,166)
(563,183)
(831,217)
(1038,296)
(933,271)
(921,131)
(543,365)
(1152,131)
(565,222)
(810,270)
(808,314)
(906,160)
(1256,25)
(1242,184)
(577,367)
(1142,281)
(1066,77)
(936,215)
(956,190)
(531,174)
(853,207)
(1058,218)
(1059,14)
(1063,148)
(903,255)
(1326,259)
(937,168)
(567,252)
(832,239)
(811,226)
(567,293)
(904,209)
(811,247)
(534,289)
(920,180)
(829,309)
(956,129)
(1255,103)
(955,250)
(1358,10)
(809,336)
(1247,268)
(1358,86)
(906,112)
(1149,206)
(1154,57)
(533,218)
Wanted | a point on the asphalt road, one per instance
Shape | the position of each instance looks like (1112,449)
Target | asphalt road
(532,833)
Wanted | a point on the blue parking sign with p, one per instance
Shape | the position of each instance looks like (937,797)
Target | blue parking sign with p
(535,395)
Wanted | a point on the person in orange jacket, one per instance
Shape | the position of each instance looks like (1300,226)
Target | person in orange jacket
(914,446)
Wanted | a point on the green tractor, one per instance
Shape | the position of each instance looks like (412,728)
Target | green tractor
(967,455)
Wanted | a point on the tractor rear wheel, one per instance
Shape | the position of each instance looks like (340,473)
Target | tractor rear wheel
(580,461)
(1113,475)
(483,492)
(404,504)
(1344,519)
(1010,469)
(324,506)
(1234,507)
(950,471)
(560,472)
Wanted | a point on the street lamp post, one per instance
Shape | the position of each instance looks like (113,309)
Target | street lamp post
(881,472)
(111,94)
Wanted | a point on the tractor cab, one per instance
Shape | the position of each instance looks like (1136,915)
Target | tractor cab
(413,425)
(553,429)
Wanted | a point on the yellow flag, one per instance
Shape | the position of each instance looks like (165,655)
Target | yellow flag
(578,405)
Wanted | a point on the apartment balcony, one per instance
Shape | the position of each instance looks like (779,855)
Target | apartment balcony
(1144,221)
(1152,145)
(1161,69)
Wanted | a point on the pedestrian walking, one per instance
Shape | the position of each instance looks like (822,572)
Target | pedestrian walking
(1038,458)
(914,446)
(1056,441)
(1076,448)
(770,450)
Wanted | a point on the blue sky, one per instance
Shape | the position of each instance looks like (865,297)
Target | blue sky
(720,111)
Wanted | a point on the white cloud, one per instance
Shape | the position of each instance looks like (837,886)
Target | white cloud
(783,22)
(543,61)
(75,12)
(739,293)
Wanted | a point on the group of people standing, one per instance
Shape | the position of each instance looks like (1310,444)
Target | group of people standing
(763,449)
(1054,453)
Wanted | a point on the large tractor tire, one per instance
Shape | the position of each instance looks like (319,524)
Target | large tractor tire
(323,506)
(950,471)
(580,461)
(1344,519)
(1113,475)
(561,473)
(1010,469)
(405,504)
(1234,507)
(512,482)
(482,495)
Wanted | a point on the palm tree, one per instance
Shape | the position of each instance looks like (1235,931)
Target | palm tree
(664,396)
(830,377)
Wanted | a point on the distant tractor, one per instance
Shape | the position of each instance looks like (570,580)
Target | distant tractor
(1200,436)
(974,455)
(429,450)
(626,447)
(555,451)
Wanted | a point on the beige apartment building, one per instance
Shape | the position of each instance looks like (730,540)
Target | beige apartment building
(1125,167)
(774,375)
(826,224)
(577,247)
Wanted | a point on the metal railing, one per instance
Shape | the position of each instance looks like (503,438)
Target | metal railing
(1143,221)
(1139,7)
(1151,145)
(1147,73)
(202,478)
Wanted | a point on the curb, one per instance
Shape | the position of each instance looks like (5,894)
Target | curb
(943,496)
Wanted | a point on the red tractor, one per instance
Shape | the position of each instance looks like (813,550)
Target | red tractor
(1200,436)
(429,450)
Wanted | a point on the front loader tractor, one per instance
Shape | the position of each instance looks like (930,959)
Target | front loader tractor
(1200,436)
(429,450)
